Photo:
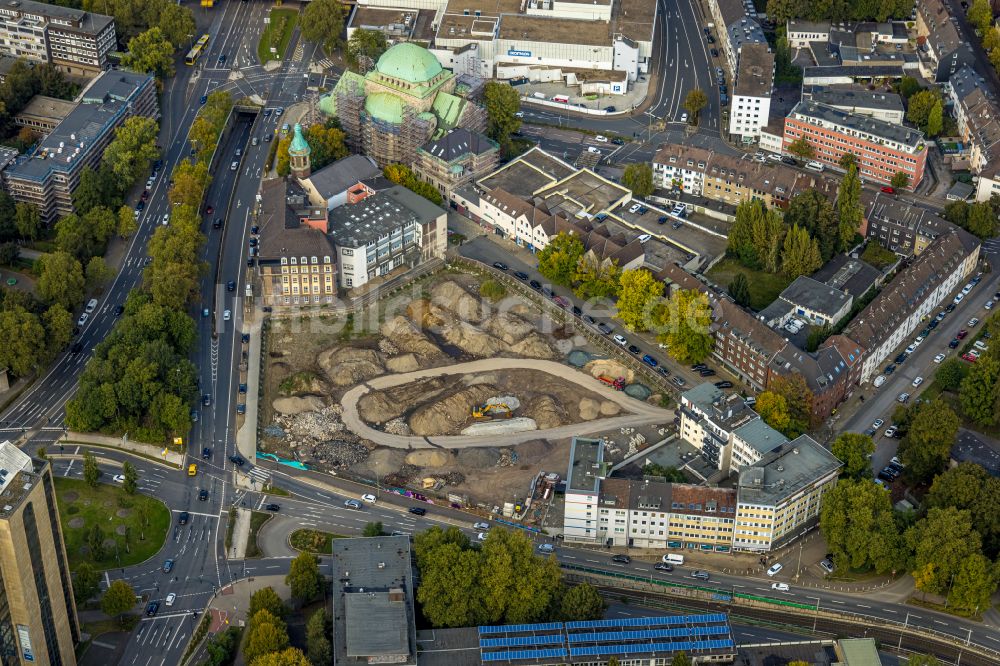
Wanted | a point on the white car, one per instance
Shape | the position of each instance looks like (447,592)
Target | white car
(227,315)
(879,381)
(118,478)
(634,208)
(775,568)
(989,305)
(480,526)
(972,322)
(903,397)
(780,587)
(600,138)
(939,358)
(958,299)
(481,536)
(979,344)
(918,381)
(83,319)
(166,218)
(170,599)
(684,117)
(911,349)
(620,339)
(369,498)
(878,423)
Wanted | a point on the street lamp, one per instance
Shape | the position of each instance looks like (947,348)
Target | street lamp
(815,612)
(905,623)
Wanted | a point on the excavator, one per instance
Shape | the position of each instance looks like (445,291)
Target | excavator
(491,411)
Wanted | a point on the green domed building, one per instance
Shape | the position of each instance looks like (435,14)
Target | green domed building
(405,101)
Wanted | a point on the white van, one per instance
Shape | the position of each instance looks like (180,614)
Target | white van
(673,558)
(813,165)
(538,95)
(92,305)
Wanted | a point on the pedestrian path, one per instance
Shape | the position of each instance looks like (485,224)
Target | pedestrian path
(241,533)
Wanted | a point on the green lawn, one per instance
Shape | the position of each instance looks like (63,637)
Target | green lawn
(764,287)
(313,541)
(257,520)
(276,33)
(117,514)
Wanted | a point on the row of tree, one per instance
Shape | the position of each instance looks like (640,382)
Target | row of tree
(497,581)
(681,321)
(266,641)
(780,11)
(403,175)
(980,15)
(20,84)
(978,218)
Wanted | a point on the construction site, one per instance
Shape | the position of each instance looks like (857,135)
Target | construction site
(449,394)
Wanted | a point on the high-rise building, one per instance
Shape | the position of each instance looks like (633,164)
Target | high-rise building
(75,41)
(38,622)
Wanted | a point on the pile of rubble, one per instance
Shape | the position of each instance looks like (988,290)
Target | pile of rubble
(508,458)
(397,426)
(333,454)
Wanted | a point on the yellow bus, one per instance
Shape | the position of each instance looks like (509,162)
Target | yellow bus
(196,50)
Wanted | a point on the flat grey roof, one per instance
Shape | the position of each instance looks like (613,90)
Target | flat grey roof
(89,22)
(358,224)
(762,437)
(906,136)
(785,471)
(815,295)
(865,99)
(755,77)
(367,610)
(850,275)
(586,458)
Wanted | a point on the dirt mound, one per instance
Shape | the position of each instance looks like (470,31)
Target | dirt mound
(308,403)
(508,327)
(407,337)
(454,297)
(589,409)
(609,408)
(609,368)
(471,339)
(345,366)
(383,461)
(478,458)
(532,451)
(534,346)
(303,382)
(429,458)
(445,416)
(382,406)
(546,412)
(403,363)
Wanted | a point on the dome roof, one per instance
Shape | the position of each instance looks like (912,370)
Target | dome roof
(385,107)
(409,62)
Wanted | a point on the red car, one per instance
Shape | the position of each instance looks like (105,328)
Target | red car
(888,190)
(961,334)
(145,195)
(969,357)
(209,210)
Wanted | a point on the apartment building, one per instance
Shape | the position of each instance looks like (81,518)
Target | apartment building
(810,301)
(583,487)
(75,41)
(458,158)
(752,92)
(737,25)
(882,149)
(904,228)
(942,49)
(977,114)
(38,621)
(780,496)
(858,100)
(732,180)
(914,294)
(47,177)
(743,343)
(751,442)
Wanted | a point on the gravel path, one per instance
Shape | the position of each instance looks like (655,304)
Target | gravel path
(641,413)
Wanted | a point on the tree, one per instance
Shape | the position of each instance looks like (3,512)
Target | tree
(935,120)
(951,373)
(669,474)
(680,659)
(638,294)
(974,584)
(773,409)
(317,644)
(287,657)
(683,325)
(801,148)
(95,542)
(322,22)
(267,599)
(694,102)
(502,105)
(60,279)
(854,450)
(846,160)
(920,106)
(21,332)
(127,222)
(908,86)
(900,181)
(979,392)
(91,472)
(638,177)
(595,278)
(980,15)
(739,289)
(86,582)
(756,236)
(266,633)
(581,602)
(858,524)
(812,211)
(150,52)
(326,143)
(118,599)
(373,529)
(849,208)
(9,253)
(971,488)
(798,402)
(558,260)
(982,220)
(133,149)
(98,274)
(97,188)
(923,660)
(303,577)
(925,449)
(28,220)
(800,254)
(364,48)
(940,542)
(131,481)
(283,162)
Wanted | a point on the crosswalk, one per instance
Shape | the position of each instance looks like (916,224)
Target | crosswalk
(259,475)
(325,63)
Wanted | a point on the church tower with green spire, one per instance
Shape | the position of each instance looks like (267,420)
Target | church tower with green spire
(298,154)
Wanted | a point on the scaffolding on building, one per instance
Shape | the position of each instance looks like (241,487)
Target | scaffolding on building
(388,143)
(350,102)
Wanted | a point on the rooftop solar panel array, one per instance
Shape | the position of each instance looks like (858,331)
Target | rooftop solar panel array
(520,628)
(511,655)
(709,618)
(639,648)
(517,641)
(647,634)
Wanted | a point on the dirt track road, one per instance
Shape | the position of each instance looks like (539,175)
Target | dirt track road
(641,413)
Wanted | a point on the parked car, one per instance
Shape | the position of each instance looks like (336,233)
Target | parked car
(480,526)
(903,397)
(775,568)
(724,384)
(499,265)
(620,339)
(203,495)
(939,358)
(622,559)
(521,275)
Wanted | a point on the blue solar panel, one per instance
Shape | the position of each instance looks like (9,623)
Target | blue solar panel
(511,655)
(646,634)
(515,641)
(520,628)
(641,648)
(665,620)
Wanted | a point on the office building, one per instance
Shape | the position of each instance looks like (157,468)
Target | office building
(882,149)
(48,176)
(38,621)
(752,92)
(75,41)
(860,101)
(373,616)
